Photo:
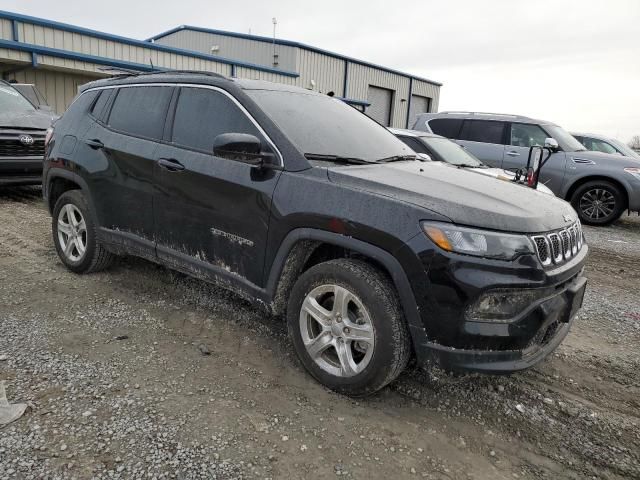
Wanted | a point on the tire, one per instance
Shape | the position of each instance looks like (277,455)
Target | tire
(73,226)
(612,202)
(382,349)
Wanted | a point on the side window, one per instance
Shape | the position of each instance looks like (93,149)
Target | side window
(140,111)
(599,145)
(527,135)
(484,131)
(203,114)
(447,127)
(98,107)
(414,144)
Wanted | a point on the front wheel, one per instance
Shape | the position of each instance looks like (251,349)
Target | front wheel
(598,202)
(347,326)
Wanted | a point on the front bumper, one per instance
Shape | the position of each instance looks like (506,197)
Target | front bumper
(557,314)
(446,285)
(21,170)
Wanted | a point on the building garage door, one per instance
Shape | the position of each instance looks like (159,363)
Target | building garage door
(381,100)
(419,104)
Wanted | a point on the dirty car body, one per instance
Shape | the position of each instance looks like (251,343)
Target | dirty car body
(165,192)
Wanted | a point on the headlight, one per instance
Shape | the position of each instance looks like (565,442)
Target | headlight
(635,171)
(481,243)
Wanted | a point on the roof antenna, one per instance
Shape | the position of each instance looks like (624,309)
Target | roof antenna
(275,54)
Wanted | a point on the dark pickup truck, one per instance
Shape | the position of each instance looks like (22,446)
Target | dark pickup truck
(306,207)
(22,133)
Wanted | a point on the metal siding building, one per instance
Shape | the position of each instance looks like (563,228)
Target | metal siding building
(393,98)
(58,58)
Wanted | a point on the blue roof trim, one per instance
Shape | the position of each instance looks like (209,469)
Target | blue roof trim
(138,43)
(288,43)
(81,57)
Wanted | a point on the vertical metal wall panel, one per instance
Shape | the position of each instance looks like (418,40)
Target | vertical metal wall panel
(244,72)
(327,72)
(361,76)
(7,55)
(6,29)
(241,49)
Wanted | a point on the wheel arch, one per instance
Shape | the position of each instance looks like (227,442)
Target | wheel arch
(59,181)
(296,254)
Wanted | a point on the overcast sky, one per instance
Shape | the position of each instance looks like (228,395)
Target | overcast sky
(573,62)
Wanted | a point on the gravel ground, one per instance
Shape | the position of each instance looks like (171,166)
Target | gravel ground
(140,372)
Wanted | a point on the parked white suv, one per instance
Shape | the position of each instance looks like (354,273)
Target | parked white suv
(600,186)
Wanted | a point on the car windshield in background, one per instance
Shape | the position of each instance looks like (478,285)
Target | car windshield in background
(12,101)
(450,152)
(564,139)
(323,126)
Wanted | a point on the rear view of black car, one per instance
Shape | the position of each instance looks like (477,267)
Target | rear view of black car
(318,214)
(22,135)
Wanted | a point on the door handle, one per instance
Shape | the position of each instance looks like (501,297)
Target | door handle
(170,164)
(513,154)
(95,143)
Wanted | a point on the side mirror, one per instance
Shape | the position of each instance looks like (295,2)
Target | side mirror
(425,157)
(551,144)
(239,146)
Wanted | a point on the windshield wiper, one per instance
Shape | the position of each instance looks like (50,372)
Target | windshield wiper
(396,158)
(335,158)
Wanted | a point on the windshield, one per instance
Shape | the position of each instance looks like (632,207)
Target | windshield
(450,152)
(564,139)
(625,149)
(324,126)
(14,102)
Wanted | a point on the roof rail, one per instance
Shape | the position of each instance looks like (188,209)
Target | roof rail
(125,72)
(483,113)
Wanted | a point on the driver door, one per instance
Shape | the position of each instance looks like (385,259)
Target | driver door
(211,213)
(522,136)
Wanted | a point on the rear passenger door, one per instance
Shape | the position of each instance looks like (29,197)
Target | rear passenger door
(124,137)
(212,213)
(484,139)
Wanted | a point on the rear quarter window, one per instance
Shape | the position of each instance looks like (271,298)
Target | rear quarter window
(447,127)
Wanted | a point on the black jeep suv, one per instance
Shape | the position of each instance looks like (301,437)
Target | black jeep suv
(22,133)
(305,206)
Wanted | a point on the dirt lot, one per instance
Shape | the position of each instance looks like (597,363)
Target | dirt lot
(112,367)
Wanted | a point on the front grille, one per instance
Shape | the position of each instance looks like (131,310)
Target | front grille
(15,148)
(558,247)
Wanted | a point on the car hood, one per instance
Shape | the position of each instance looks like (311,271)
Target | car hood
(35,119)
(463,196)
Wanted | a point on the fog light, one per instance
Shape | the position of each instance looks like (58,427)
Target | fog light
(502,305)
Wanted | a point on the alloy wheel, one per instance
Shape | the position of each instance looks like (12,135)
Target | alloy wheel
(337,330)
(597,203)
(72,232)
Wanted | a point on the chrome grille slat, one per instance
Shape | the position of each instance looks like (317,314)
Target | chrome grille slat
(559,246)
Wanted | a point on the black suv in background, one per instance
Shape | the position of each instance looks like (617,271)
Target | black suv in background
(308,208)
(22,133)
